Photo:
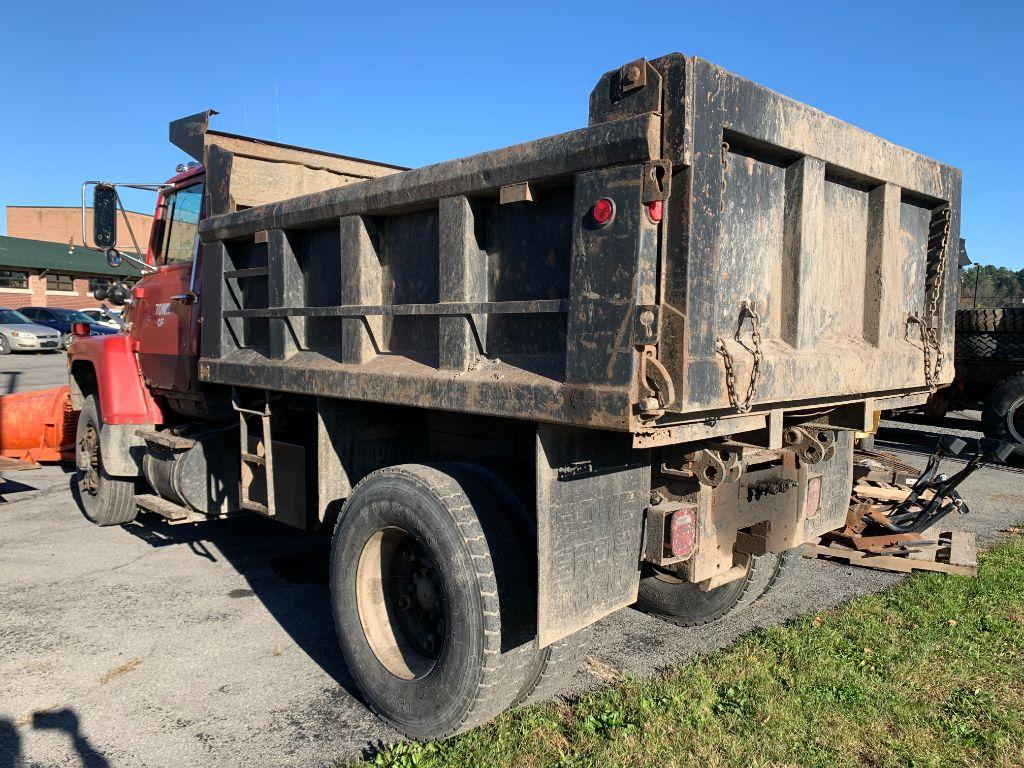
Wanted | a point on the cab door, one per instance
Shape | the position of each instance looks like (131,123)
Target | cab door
(165,311)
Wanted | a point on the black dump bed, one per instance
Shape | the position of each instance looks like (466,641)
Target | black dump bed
(790,242)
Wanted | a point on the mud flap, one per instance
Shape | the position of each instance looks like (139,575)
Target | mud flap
(836,483)
(592,488)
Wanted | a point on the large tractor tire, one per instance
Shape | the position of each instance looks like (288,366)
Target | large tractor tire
(430,590)
(105,500)
(1002,416)
(685,604)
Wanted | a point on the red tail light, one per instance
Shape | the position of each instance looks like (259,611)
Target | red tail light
(813,503)
(682,539)
(80,329)
(603,211)
(656,210)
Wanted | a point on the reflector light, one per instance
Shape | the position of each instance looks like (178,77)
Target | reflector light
(656,209)
(80,329)
(603,210)
(813,505)
(682,539)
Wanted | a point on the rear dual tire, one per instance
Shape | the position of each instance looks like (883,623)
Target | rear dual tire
(430,595)
(685,604)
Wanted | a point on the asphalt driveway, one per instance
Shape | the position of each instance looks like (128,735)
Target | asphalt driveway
(153,645)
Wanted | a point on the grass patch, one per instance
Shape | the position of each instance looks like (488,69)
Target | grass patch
(929,673)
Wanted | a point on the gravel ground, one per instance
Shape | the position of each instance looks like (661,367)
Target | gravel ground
(153,645)
(21,371)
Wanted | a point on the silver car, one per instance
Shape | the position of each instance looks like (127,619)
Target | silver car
(19,334)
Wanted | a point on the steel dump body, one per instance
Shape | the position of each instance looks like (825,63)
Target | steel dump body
(484,284)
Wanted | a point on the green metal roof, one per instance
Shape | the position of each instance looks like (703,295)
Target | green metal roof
(20,253)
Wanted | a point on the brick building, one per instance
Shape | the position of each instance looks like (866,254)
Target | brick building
(63,224)
(43,263)
(40,274)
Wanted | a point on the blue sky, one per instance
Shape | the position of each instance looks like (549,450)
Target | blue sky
(89,88)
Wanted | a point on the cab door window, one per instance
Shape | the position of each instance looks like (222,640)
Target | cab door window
(181,225)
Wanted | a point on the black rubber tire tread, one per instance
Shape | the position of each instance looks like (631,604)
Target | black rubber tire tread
(787,560)
(491,546)
(1004,320)
(737,595)
(989,346)
(553,666)
(114,502)
(997,407)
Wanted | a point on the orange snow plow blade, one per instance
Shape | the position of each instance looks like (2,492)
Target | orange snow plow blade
(38,426)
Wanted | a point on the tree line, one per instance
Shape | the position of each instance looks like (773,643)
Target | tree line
(986,287)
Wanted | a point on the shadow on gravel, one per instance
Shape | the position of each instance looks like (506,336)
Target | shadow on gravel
(287,570)
(10,744)
(66,720)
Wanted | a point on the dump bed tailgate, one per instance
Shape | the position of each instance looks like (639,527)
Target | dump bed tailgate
(799,244)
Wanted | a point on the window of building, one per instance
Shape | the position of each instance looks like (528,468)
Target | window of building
(60,283)
(12,279)
(98,282)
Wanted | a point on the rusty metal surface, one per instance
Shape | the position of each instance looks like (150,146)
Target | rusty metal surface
(800,261)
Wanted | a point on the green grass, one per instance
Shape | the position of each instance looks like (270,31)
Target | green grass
(929,673)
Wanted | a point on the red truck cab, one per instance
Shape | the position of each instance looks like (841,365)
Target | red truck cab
(158,352)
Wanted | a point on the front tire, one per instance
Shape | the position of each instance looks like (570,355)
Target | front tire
(1002,417)
(105,500)
(5,345)
(685,604)
(430,595)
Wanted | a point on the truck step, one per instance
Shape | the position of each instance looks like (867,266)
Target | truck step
(168,509)
(248,272)
(252,458)
(166,439)
(254,506)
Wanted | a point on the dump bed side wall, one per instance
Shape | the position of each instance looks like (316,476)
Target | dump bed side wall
(484,285)
(478,285)
(829,231)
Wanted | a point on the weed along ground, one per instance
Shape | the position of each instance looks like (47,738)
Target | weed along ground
(928,673)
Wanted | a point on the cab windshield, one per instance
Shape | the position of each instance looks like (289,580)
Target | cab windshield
(181,216)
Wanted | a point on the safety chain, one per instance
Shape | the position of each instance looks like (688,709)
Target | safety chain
(929,334)
(725,178)
(747,309)
(929,342)
(933,301)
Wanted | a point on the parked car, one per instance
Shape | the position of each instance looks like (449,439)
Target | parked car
(61,319)
(19,334)
(104,317)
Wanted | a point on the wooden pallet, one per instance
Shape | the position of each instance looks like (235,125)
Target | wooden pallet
(958,557)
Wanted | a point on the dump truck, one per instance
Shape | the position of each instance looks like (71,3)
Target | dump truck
(523,389)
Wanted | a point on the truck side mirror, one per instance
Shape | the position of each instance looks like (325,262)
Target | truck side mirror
(104,216)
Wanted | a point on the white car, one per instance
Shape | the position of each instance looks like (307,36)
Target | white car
(104,317)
